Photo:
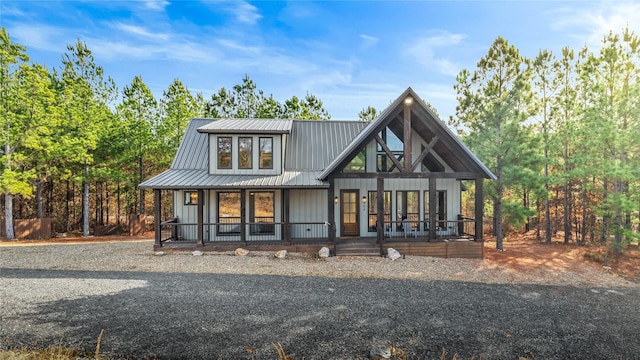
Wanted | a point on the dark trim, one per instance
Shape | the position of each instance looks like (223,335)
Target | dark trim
(218,138)
(200,239)
(479,205)
(243,216)
(380,205)
(286,236)
(432,209)
(388,152)
(411,175)
(272,151)
(407,138)
(240,167)
(424,153)
(157,200)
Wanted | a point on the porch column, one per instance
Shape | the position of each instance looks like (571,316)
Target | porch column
(479,205)
(201,217)
(407,135)
(331,212)
(243,216)
(157,202)
(380,213)
(285,215)
(432,208)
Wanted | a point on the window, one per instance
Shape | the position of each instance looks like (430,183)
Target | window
(373,210)
(229,213)
(395,145)
(224,153)
(441,209)
(261,212)
(266,153)
(407,207)
(190,197)
(358,163)
(245,152)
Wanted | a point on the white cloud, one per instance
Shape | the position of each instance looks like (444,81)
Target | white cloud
(156,4)
(588,25)
(368,41)
(140,31)
(38,36)
(424,50)
(243,11)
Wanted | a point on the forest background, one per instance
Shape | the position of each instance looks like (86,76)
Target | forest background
(560,131)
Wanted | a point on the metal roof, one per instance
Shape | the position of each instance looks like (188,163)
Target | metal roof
(313,145)
(248,126)
(201,179)
(193,150)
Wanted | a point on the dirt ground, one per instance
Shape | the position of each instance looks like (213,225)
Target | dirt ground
(522,253)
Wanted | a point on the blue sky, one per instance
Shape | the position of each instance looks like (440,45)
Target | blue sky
(351,54)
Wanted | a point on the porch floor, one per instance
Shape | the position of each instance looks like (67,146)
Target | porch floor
(451,247)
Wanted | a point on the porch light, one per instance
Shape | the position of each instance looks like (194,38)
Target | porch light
(408,100)
(335,199)
(364,199)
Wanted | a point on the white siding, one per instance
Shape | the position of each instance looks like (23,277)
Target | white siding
(451,186)
(308,206)
(188,214)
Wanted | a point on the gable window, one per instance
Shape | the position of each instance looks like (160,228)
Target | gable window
(266,153)
(245,152)
(358,163)
(229,213)
(441,209)
(395,146)
(262,212)
(373,210)
(407,207)
(191,198)
(224,152)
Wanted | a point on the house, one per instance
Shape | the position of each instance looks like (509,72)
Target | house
(356,187)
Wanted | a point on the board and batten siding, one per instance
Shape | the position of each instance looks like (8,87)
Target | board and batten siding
(188,214)
(308,206)
(277,155)
(363,186)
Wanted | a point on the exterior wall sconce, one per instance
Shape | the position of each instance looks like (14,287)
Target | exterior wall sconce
(335,199)
(408,100)
(364,199)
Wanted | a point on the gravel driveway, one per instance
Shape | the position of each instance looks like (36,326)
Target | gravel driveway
(222,314)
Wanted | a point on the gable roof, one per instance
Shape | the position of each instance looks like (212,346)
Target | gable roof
(247,126)
(449,147)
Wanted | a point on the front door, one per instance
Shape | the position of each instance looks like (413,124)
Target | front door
(349,213)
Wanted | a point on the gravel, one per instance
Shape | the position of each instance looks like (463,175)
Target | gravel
(139,256)
(219,306)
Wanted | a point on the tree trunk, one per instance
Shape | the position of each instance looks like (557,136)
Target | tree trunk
(85,202)
(39,210)
(8,216)
(141,190)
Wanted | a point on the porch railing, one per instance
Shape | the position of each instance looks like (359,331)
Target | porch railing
(463,227)
(256,232)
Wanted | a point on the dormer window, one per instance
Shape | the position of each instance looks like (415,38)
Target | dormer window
(224,152)
(266,153)
(245,152)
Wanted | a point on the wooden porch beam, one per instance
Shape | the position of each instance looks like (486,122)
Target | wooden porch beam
(380,212)
(479,205)
(388,151)
(331,212)
(201,217)
(432,209)
(243,216)
(426,151)
(407,137)
(285,211)
(157,202)
(412,175)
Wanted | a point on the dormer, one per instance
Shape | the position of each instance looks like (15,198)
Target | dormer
(246,146)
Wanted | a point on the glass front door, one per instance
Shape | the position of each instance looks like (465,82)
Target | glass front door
(349,213)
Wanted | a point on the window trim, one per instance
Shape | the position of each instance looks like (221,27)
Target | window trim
(256,228)
(386,216)
(218,217)
(260,152)
(218,153)
(439,222)
(405,209)
(250,138)
(190,198)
